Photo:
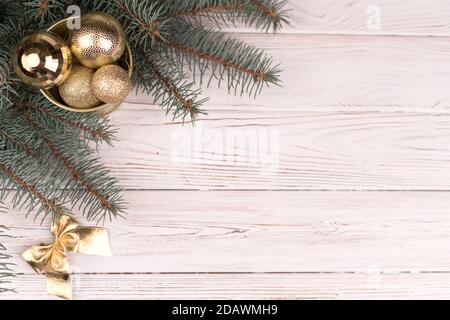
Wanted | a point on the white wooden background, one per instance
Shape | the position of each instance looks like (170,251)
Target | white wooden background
(358,208)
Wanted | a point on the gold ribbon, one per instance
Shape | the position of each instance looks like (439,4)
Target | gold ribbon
(52,259)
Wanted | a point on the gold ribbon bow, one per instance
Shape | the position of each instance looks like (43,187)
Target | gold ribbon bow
(52,259)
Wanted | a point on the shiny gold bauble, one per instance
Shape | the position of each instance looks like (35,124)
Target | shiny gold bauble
(76,91)
(42,60)
(111,84)
(100,40)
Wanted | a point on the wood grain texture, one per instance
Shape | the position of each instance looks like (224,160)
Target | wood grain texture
(234,231)
(302,150)
(346,73)
(418,17)
(371,285)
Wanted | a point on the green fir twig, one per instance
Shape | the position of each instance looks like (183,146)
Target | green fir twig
(6,267)
(48,155)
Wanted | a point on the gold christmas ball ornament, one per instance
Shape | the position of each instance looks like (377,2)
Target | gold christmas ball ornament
(76,91)
(42,60)
(54,95)
(100,40)
(111,84)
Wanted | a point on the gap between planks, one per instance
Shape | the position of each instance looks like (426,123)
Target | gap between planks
(289,232)
(343,74)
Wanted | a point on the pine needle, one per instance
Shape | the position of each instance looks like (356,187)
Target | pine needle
(6,267)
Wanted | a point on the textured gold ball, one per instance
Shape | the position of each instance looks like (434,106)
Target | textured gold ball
(100,40)
(76,91)
(111,84)
(42,60)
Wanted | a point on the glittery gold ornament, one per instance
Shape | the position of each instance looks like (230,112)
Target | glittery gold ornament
(42,60)
(76,91)
(111,84)
(100,40)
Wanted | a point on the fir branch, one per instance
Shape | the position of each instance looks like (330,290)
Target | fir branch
(109,205)
(16,170)
(273,14)
(213,8)
(267,14)
(142,21)
(6,271)
(12,30)
(257,75)
(245,66)
(89,126)
(9,139)
(10,33)
(167,83)
(46,11)
(93,134)
(170,88)
(248,69)
(14,135)
(265,9)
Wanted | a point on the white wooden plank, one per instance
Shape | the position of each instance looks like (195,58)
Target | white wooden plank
(414,17)
(297,150)
(360,110)
(346,73)
(266,232)
(371,285)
